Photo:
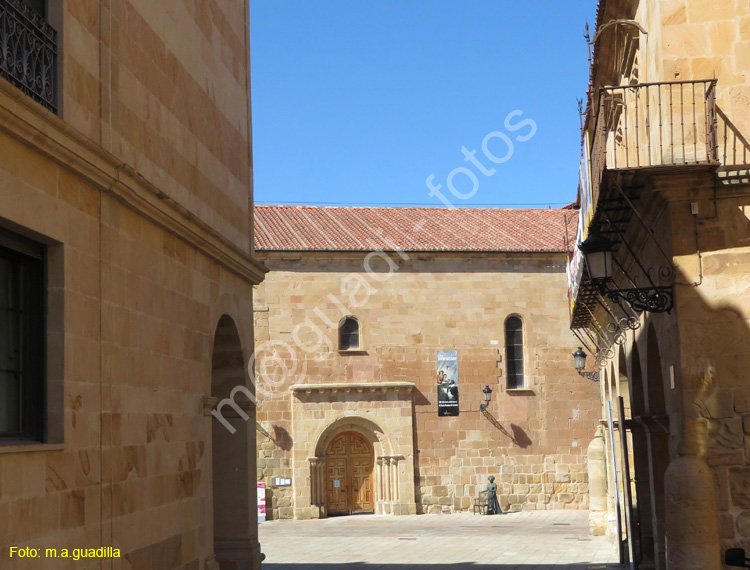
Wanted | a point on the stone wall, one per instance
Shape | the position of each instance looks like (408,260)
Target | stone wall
(164,87)
(140,272)
(700,39)
(138,310)
(534,439)
(714,327)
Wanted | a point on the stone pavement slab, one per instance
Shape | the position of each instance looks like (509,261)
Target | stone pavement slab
(530,540)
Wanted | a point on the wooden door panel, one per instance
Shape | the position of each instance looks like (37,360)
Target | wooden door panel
(336,497)
(361,478)
(349,460)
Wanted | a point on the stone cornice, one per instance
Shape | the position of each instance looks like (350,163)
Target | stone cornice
(42,130)
(359,387)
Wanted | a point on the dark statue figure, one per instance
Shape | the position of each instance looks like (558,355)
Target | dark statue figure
(493,506)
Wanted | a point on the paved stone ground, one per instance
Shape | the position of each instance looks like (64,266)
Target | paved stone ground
(531,540)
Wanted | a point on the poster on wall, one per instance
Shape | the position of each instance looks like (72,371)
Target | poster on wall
(261,501)
(447,382)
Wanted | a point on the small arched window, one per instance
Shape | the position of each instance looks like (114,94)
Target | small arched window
(348,334)
(514,351)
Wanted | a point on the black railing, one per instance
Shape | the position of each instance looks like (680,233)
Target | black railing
(659,124)
(28,52)
(734,148)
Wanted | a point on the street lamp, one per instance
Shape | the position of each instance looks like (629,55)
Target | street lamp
(487,391)
(597,252)
(579,358)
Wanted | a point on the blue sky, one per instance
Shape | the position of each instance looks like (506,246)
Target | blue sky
(360,101)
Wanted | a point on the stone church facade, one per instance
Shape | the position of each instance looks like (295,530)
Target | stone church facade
(357,304)
(126,275)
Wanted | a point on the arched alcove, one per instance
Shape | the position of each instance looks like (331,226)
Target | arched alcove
(640,469)
(375,434)
(659,435)
(232,453)
(623,384)
(387,467)
(656,400)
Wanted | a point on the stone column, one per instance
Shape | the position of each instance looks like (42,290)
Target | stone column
(321,481)
(317,486)
(378,492)
(387,469)
(238,553)
(597,468)
(394,480)
(692,518)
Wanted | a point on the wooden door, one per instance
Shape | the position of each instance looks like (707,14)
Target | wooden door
(349,466)
(336,496)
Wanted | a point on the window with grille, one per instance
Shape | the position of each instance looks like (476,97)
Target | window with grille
(348,334)
(514,352)
(22,338)
(28,48)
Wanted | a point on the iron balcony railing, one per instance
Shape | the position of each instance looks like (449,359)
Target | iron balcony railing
(734,148)
(28,52)
(659,124)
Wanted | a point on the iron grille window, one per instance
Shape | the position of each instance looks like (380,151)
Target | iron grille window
(514,351)
(28,50)
(348,334)
(22,337)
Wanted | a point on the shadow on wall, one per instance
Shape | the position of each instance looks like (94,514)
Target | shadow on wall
(282,438)
(419,398)
(519,436)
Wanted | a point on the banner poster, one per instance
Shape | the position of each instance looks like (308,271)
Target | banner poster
(585,215)
(261,501)
(447,382)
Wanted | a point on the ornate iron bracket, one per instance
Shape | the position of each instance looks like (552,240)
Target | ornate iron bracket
(593,376)
(651,299)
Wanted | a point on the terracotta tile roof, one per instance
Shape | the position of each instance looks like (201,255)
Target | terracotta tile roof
(316,228)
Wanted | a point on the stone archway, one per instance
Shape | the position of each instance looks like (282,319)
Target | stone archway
(235,529)
(389,483)
(380,412)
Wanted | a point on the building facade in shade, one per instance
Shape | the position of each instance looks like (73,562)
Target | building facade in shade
(665,192)
(126,275)
(377,331)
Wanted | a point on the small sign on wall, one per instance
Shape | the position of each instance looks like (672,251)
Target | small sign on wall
(281,482)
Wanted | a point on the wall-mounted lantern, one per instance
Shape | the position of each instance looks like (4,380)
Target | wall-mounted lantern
(487,391)
(579,358)
(597,253)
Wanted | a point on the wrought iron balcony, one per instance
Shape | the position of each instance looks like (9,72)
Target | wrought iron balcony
(652,125)
(28,52)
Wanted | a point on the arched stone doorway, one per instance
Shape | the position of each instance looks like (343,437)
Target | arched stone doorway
(375,456)
(235,529)
(349,468)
